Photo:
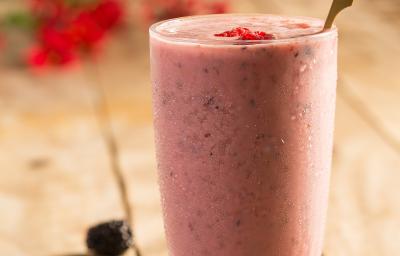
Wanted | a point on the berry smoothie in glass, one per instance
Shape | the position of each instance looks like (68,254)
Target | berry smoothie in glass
(243,114)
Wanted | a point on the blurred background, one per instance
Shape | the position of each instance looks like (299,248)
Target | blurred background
(59,59)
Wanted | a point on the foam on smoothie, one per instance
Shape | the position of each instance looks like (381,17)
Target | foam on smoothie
(203,28)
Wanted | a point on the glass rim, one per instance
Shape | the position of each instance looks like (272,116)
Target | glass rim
(215,42)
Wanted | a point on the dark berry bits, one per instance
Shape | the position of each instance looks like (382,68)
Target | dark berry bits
(246,34)
(109,238)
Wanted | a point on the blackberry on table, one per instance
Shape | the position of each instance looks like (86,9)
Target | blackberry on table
(111,238)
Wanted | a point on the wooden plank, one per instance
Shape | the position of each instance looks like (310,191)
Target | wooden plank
(364,206)
(129,94)
(369,64)
(54,179)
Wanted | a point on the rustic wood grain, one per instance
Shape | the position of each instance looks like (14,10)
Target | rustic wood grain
(55,179)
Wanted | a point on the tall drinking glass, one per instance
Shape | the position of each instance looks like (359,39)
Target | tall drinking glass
(243,133)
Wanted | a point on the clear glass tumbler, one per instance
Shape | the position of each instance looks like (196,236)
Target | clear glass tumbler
(243,133)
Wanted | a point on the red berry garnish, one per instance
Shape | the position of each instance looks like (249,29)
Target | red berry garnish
(246,34)
(239,31)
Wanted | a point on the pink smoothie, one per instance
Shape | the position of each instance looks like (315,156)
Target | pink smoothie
(244,134)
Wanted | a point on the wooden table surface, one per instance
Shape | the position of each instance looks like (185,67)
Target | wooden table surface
(55,177)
